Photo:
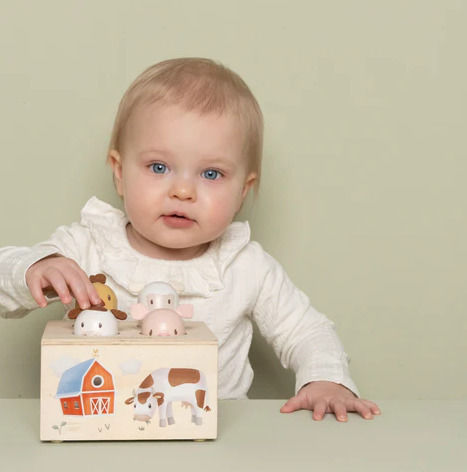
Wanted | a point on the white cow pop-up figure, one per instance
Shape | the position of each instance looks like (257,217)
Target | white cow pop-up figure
(160,312)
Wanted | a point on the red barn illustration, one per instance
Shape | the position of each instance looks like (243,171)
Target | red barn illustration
(87,389)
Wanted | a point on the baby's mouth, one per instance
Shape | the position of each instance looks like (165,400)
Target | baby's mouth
(179,215)
(177,220)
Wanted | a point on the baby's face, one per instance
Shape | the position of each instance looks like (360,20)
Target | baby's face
(183,176)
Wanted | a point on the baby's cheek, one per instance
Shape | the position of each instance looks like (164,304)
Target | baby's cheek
(224,211)
(135,211)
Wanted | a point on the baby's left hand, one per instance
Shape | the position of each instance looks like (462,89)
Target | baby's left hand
(329,397)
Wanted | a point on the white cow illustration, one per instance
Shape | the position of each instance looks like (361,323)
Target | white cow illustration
(164,386)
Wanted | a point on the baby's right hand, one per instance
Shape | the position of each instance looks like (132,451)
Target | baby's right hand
(66,277)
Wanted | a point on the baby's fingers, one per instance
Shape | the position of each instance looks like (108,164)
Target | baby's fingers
(340,410)
(58,282)
(80,286)
(82,289)
(93,296)
(319,410)
(35,288)
(291,405)
(374,408)
(363,409)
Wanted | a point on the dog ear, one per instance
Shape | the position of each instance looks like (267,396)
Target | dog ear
(100,278)
(49,292)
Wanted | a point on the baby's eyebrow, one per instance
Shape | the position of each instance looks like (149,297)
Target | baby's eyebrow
(163,152)
(217,162)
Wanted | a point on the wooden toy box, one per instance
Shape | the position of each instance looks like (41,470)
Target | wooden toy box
(92,387)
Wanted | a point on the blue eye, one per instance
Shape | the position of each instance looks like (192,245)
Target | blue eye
(158,168)
(211,174)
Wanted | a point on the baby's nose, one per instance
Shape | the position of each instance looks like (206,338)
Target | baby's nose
(183,189)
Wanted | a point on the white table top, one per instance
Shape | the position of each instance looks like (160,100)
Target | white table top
(253,435)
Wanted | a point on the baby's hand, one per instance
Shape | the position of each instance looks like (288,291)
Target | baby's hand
(65,277)
(329,397)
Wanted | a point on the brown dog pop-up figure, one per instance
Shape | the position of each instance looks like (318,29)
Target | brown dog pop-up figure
(101,319)
(108,299)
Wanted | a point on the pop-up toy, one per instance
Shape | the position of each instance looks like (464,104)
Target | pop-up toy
(106,377)
(160,311)
(101,319)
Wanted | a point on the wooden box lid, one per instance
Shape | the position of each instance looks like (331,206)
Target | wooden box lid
(59,332)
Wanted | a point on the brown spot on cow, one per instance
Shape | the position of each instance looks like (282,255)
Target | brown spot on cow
(143,397)
(200,395)
(147,382)
(182,376)
(160,398)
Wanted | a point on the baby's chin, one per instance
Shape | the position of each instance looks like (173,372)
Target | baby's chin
(177,244)
(179,253)
(184,240)
(181,245)
(174,250)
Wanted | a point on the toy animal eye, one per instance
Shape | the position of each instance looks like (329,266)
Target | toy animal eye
(109,297)
(150,332)
(150,406)
(169,301)
(152,303)
(134,406)
(82,325)
(100,325)
(175,332)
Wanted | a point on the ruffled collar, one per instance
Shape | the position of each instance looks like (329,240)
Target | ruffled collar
(133,270)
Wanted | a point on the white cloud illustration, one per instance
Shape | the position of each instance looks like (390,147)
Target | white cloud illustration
(63,363)
(130,366)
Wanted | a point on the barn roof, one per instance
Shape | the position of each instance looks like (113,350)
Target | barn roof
(71,380)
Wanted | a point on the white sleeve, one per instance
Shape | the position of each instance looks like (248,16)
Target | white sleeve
(302,338)
(15,298)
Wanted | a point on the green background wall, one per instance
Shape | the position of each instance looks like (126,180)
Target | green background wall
(363,198)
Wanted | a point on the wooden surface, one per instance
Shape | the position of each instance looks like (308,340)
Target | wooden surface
(253,436)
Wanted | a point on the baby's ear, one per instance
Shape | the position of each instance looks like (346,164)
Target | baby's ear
(115,161)
(249,182)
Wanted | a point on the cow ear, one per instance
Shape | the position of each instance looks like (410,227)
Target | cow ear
(129,401)
(138,311)
(73,314)
(157,395)
(120,315)
(185,311)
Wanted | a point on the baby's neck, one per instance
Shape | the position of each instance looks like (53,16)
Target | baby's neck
(149,249)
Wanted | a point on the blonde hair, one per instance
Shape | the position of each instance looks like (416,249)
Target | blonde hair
(198,84)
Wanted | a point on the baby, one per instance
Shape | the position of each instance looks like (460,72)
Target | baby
(185,151)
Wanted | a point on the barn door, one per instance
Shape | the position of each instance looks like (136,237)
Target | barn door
(100,406)
(105,402)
